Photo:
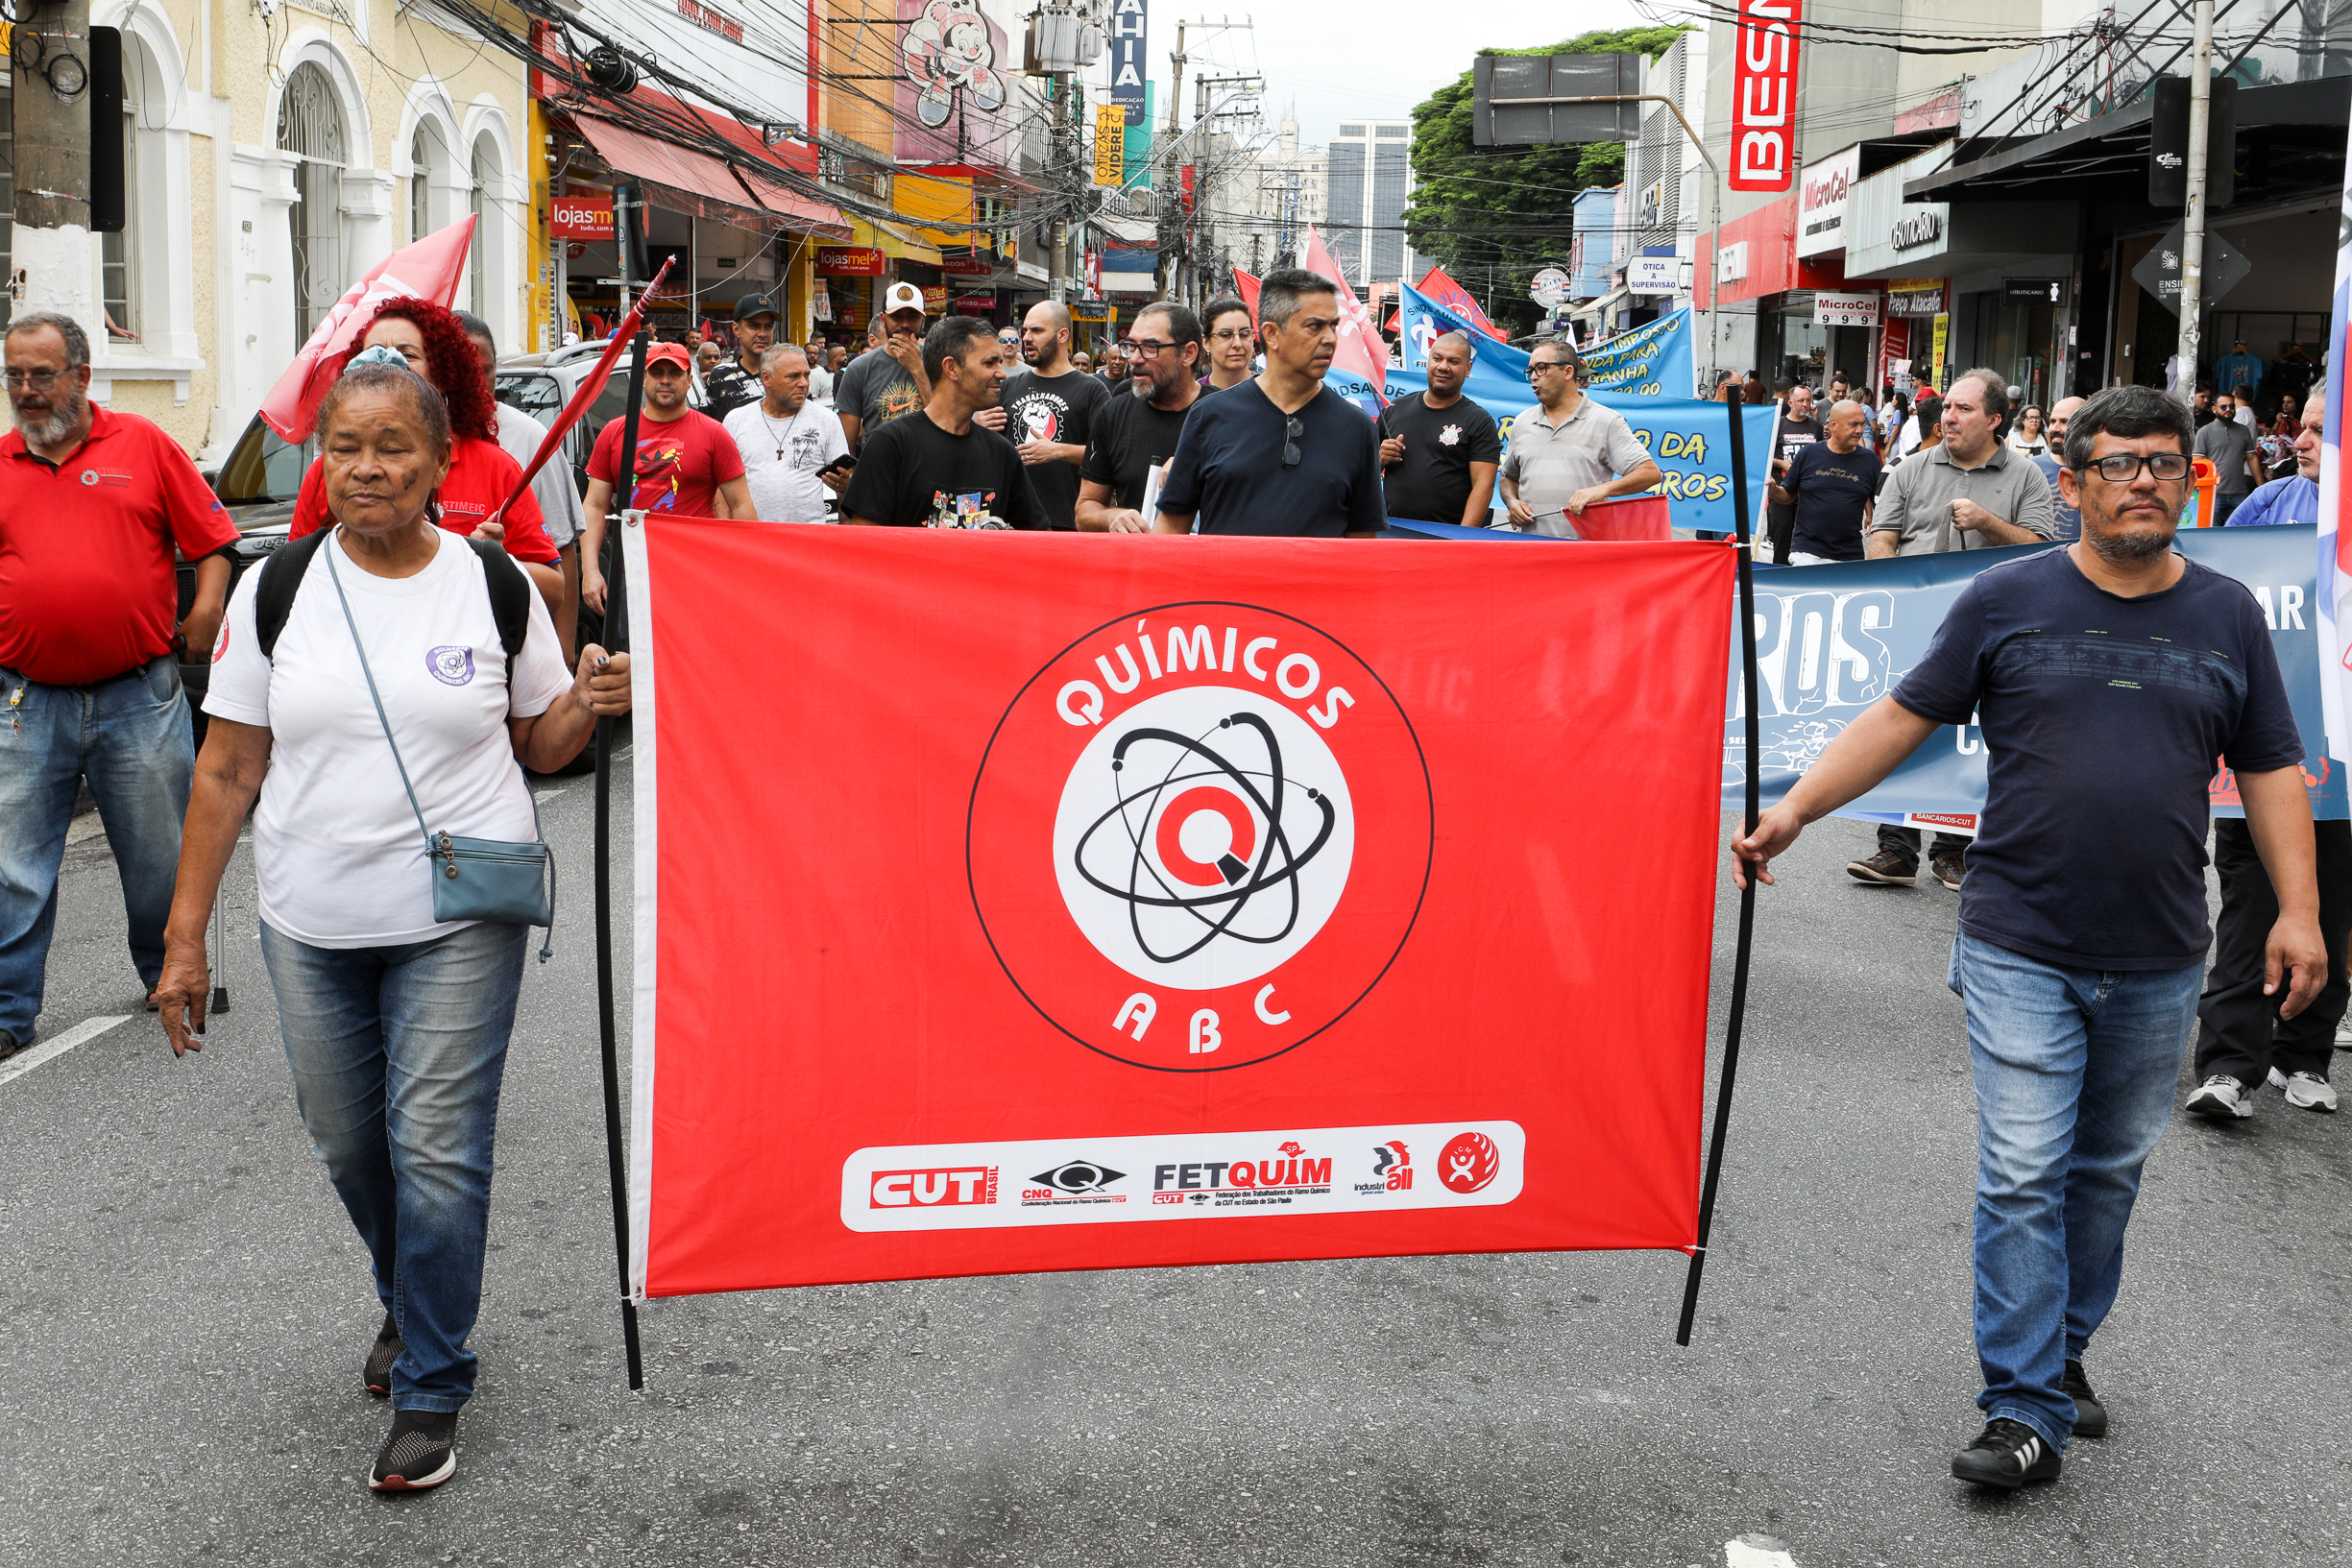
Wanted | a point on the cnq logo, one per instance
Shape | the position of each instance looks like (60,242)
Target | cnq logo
(1818,650)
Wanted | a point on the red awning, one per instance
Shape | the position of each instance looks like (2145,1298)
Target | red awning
(697,174)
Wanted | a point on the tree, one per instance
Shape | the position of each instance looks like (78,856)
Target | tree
(1494,218)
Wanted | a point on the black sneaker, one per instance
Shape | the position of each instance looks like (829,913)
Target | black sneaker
(2006,1455)
(420,1453)
(1948,867)
(378,1373)
(2089,1415)
(9,1045)
(1891,867)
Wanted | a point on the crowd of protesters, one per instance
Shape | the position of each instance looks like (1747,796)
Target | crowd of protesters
(425,620)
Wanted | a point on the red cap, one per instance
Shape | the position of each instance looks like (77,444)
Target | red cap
(674,352)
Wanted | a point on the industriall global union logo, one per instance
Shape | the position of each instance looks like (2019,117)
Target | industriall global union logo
(1199,836)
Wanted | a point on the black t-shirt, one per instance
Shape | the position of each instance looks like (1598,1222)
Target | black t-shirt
(1064,407)
(1433,482)
(2101,718)
(1791,436)
(913,474)
(1229,470)
(730,387)
(1833,490)
(1128,438)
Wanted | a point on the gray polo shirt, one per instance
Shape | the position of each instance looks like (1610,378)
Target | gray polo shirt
(1550,461)
(1917,500)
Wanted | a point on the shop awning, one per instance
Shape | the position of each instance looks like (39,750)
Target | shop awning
(704,186)
(892,240)
(1603,306)
(2301,124)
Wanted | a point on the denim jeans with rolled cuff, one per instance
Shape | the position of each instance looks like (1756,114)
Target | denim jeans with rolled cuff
(398,1054)
(2074,1070)
(130,739)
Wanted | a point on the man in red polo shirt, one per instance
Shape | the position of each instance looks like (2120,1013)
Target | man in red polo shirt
(685,463)
(92,505)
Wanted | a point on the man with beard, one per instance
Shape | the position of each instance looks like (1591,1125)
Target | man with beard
(95,504)
(1231,341)
(1048,412)
(736,384)
(1136,435)
(888,382)
(1281,454)
(1113,374)
(1439,451)
(685,463)
(939,467)
(2107,675)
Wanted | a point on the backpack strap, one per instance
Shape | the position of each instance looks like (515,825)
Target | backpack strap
(281,578)
(510,595)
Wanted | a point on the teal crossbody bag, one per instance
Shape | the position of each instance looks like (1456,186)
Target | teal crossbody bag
(473,879)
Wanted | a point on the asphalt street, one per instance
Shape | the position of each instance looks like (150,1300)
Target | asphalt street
(184,1311)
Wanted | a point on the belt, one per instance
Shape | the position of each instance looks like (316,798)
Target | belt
(137,671)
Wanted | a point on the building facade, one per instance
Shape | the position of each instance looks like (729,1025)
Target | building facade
(1371,180)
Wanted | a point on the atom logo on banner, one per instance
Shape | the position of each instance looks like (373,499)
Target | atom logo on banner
(1199,836)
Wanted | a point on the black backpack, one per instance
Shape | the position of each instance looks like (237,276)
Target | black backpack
(282,575)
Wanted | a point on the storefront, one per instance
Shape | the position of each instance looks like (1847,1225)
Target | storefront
(1755,265)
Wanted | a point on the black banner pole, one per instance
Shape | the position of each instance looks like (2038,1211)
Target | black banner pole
(1744,543)
(616,641)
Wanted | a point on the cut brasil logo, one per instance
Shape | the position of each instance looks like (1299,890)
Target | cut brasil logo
(1200,835)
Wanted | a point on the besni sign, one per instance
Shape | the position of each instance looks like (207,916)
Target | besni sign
(1764,95)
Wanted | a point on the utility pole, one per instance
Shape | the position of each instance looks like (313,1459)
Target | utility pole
(50,252)
(2193,219)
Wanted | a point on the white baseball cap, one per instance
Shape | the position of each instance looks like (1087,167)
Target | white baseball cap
(902,296)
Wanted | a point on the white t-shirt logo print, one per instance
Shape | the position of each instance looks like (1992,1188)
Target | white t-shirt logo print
(451,664)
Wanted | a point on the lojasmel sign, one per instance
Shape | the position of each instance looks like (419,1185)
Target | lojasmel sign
(581,217)
(1764,96)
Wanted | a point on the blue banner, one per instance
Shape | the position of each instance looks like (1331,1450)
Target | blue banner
(1653,361)
(1830,640)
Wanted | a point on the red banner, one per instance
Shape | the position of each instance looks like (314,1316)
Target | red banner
(1097,902)
(1764,95)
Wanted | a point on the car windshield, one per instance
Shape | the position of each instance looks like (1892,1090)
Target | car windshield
(265,467)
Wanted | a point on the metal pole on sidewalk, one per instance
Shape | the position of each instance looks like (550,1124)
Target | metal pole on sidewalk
(616,631)
(2193,219)
(1736,414)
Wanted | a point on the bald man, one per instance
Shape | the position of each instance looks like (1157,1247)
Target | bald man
(1829,485)
(1048,412)
(1438,450)
(2069,519)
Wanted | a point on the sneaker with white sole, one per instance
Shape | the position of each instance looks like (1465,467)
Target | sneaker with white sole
(2006,1455)
(2305,1091)
(2220,1099)
(2343,1033)
(420,1453)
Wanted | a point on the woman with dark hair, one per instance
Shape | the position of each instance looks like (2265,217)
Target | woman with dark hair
(395,1020)
(481,475)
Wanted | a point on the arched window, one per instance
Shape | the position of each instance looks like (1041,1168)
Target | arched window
(118,253)
(311,129)
(480,276)
(420,186)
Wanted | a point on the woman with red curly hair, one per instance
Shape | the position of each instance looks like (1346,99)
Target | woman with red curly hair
(481,477)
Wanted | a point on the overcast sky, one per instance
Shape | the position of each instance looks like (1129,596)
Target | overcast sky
(1387,56)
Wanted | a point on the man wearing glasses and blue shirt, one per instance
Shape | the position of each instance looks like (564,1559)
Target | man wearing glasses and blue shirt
(1280,454)
(2106,676)
(1570,452)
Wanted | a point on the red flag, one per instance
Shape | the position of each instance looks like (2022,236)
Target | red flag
(429,269)
(592,384)
(1155,906)
(1246,284)
(1440,285)
(1361,351)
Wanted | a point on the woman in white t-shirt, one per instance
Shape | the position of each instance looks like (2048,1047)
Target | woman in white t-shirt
(395,1023)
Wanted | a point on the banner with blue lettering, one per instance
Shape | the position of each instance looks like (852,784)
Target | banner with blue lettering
(1651,361)
(1830,640)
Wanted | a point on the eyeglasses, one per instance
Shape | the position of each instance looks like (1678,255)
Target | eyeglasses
(36,380)
(1231,334)
(1147,348)
(1292,430)
(2123,467)
(1536,367)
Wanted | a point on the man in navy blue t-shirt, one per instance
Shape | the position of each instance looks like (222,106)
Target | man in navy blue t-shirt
(1830,484)
(2106,676)
(1280,454)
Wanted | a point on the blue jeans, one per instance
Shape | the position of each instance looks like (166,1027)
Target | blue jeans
(131,739)
(2075,1075)
(398,1054)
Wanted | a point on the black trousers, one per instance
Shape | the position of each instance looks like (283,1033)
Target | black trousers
(1906,841)
(1780,528)
(2237,1029)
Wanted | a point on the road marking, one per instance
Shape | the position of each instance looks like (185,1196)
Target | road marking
(546,795)
(26,1061)
(85,827)
(1757,1551)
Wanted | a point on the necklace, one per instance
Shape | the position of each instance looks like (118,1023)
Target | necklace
(788,427)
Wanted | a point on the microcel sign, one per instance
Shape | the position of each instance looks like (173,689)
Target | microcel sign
(1764,95)
(1820,210)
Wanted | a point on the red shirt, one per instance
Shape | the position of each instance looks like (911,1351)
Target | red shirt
(86,586)
(680,463)
(480,477)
